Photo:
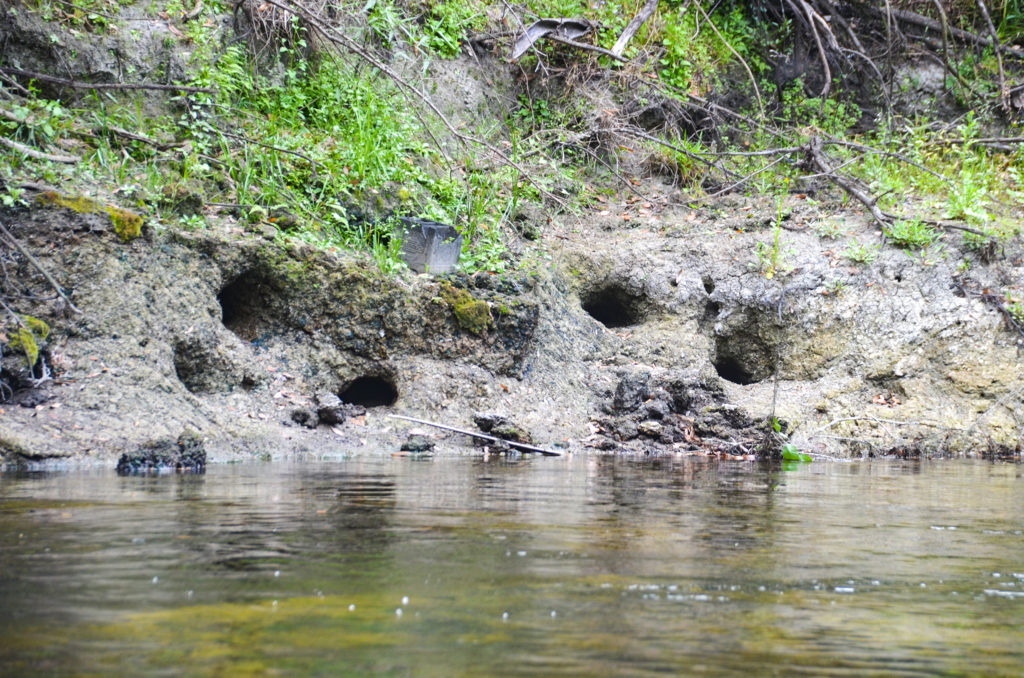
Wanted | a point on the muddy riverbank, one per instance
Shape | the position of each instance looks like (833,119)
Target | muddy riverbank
(649,335)
(632,321)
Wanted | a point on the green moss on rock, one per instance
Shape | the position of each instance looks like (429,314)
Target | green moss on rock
(26,337)
(25,342)
(127,224)
(471,314)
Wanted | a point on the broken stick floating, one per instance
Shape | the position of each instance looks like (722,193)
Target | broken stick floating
(483,436)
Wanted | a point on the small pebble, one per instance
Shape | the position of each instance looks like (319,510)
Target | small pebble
(156,579)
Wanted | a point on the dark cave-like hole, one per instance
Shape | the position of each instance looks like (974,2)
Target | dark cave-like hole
(709,284)
(241,301)
(729,368)
(613,307)
(711,310)
(187,368)
(743,357)
(370,392)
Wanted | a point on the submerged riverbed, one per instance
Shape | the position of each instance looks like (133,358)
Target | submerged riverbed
(461,567)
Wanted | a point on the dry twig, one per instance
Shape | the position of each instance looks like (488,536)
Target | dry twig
(634,25)
(14,242)
(74,84)
(38,155)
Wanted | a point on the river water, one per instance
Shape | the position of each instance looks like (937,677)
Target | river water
(458,566)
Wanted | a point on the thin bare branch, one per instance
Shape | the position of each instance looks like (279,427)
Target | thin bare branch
(42,77)
(582,45)
(38,155)
(814,150)
(750,74)
(915,19)
(637,132)
(811,16)
(313,163)
(14,242)
(1004,95)
(645,13)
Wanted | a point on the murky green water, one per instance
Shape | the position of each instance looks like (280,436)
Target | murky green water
(456,567)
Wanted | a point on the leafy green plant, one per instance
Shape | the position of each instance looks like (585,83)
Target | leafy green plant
(694,54)
(969,194)
(911,234)
(832,115)
(1015,307)
(384,20)
(835,288)
(192,222)
(789,450)
(533,114)
(445,26)
(12,196)
(987,240)
(791,453)
(829,229)
(860,253)
(386,246)
(771,258)
(486,252)
(1010,14)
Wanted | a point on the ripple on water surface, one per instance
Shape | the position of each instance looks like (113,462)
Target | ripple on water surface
(586,566)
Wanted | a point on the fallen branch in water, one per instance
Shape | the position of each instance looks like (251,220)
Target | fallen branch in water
(483,436)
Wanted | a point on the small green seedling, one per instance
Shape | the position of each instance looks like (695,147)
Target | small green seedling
(790,453)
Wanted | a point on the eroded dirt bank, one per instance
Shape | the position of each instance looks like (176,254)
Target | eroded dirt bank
(650,335)
(633,325)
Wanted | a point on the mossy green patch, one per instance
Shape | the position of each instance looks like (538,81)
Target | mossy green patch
(127,224)
(76,203)
(471,314)
(27,336)
(36,325)
(25,341)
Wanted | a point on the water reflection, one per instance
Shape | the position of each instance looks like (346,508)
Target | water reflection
(584,566)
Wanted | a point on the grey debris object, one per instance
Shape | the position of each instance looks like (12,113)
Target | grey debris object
(569,29)
(429,246)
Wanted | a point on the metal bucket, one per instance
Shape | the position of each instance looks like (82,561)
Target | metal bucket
(429,246)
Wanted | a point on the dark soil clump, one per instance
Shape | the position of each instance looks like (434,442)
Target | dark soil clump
(184,455)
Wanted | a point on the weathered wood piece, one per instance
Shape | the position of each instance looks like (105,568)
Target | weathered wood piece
(483,436)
